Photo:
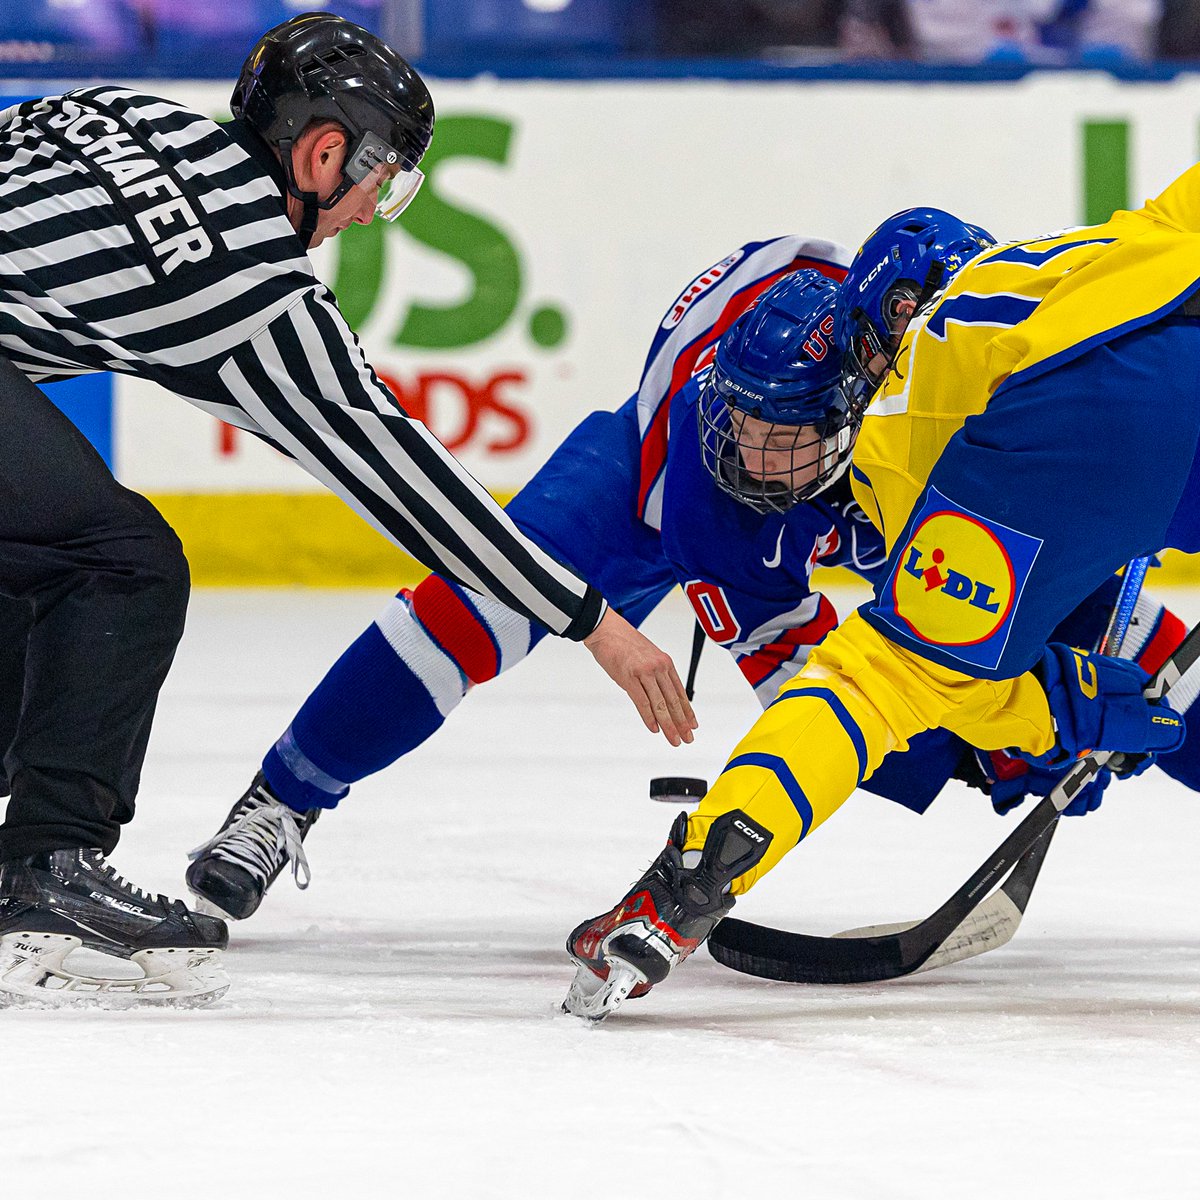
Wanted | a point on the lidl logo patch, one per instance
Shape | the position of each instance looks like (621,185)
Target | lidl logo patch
(956,581)
(955,585)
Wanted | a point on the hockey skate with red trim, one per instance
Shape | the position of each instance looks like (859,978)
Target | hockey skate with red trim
(665,916)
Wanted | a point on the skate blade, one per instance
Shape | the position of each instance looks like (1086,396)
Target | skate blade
(33,972)
(593,999)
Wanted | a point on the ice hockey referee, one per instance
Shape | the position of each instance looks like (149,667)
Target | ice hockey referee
(139,237)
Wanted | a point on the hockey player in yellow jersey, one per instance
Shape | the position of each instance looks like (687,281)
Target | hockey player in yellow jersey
(1005,392)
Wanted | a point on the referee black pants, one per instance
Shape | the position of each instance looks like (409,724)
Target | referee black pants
(93,593)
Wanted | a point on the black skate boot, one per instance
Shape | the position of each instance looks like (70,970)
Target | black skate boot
(231,872)
(665,915)
(53,904)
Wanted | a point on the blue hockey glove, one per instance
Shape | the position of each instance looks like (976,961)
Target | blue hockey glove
(1097,704)
(1009,779)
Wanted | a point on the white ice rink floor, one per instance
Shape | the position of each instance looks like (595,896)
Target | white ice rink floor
(394,1031)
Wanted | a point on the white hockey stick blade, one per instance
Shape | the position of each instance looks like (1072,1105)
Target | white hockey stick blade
(593,998)
(876,930)
(33,971)
(987,927)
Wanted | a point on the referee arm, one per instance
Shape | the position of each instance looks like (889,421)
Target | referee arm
(304,382)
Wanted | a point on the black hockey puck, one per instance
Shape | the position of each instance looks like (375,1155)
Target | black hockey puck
(671,789)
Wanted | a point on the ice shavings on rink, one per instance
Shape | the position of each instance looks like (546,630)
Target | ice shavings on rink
(394,1030)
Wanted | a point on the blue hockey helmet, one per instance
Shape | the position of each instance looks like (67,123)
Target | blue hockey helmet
(895,273)
(775,424)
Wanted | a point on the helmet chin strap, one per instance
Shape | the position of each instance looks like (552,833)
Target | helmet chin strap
(308,219)
(310,200)
(843,465)
(933,281)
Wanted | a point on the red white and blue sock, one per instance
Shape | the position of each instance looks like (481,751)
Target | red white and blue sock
(392,688)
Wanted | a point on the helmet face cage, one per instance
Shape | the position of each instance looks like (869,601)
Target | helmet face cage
(771,465)
(774,422)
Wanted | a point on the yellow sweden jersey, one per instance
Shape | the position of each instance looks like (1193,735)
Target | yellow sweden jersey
(1020,308)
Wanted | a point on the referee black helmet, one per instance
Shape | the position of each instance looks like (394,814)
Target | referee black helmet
(321,67)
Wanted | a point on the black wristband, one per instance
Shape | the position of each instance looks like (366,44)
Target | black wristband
(588,617)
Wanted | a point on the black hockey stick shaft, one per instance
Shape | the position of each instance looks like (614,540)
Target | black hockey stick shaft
(1019,885)
(699,637)
(805,958)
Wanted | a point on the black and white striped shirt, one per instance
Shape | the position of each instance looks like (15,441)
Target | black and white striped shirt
(137,236)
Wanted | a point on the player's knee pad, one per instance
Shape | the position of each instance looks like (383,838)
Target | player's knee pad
(1154,635)
(451,639)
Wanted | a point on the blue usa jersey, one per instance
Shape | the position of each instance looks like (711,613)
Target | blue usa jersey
(747,574)
(686,338)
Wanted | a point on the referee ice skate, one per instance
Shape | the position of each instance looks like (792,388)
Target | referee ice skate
(139,237)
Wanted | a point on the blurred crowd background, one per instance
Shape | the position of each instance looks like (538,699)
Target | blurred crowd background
(208,38)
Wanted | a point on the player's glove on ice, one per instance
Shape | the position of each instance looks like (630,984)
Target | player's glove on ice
(1097,704)
(1009,778)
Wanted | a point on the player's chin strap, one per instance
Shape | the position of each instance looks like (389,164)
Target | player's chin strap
(934,279)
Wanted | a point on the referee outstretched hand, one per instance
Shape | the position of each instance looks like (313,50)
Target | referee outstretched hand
(646,673)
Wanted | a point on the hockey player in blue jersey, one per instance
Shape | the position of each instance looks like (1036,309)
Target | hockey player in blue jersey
(654,495)
(599,503)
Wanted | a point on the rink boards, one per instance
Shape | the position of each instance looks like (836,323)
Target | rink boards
(561,219)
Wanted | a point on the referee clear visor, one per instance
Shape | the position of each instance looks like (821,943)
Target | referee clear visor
(376,168)
(396,191)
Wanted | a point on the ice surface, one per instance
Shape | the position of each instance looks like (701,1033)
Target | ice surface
(394,1031)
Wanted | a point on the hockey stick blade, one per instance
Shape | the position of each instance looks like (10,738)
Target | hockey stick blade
(807,958)
(875,953)
(987,927)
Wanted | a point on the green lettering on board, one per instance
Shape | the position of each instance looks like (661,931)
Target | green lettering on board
(1105,169)
(487,253)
